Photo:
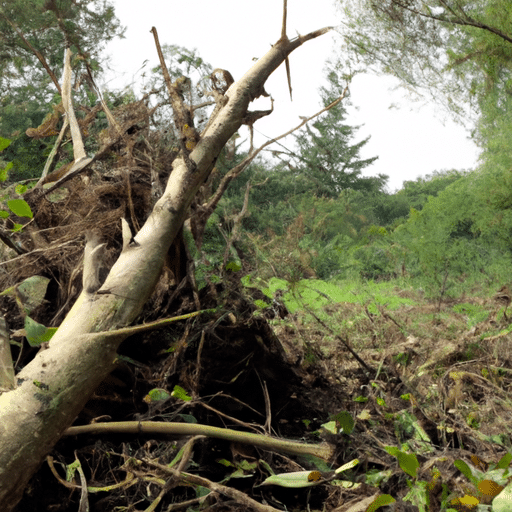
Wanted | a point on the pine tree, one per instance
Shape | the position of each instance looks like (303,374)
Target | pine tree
(326,155)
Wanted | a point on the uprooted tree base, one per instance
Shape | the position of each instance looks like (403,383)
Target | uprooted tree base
(226,364)
(238,372)
(230,361)
(226,360)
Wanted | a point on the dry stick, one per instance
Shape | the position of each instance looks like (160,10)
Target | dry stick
(110,118)
(233,173)
(80,158)
(131,207)
(268,409)
(235,494)
(84,494)
(172,482)
(182,118)
(78,145)
(323,450)
(130,480)
(226,416)
(220,393)
(284,36)
(345,342)
(53,152)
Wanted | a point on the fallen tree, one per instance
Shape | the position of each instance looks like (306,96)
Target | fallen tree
(54,387)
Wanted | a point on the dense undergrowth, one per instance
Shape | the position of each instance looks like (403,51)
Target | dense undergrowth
(438,401)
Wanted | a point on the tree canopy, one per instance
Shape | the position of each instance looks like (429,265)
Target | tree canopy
(456,50)
(33,37)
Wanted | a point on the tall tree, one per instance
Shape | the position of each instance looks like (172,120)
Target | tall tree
(326,155)
(33,36)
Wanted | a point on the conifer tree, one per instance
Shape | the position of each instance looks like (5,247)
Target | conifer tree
(327,155)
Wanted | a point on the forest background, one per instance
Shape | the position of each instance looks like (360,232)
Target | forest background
(316,215)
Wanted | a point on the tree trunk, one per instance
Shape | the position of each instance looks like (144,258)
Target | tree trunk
(54,387)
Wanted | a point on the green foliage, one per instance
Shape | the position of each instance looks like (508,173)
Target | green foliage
(29,294)
(380,501)
(5,166)
(315,294)
(458,233)
(458,51)
(417,192)
(325,154)
(344,422)
(4,143)
(20,208)
(181,394)
(30,26)
(27,157)
(474,313)
(156,395)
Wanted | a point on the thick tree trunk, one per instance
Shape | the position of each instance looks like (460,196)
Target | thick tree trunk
(55,386)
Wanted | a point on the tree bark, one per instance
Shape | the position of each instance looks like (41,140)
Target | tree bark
(54,387)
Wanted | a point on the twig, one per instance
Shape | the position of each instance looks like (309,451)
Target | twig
(6,367)
(370,370)
(235,494)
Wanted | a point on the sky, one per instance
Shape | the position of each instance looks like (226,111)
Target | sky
(410,141)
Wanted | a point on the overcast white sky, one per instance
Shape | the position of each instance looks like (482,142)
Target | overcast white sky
(228,34)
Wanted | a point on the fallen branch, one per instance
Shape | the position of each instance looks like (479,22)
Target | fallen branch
(323,450)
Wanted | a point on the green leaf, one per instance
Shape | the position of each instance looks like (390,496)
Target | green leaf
(202,491)
(38,333)
(188,418)
(4,214)
(266,466)
(20,207)
(344,422)
(20,189)
(380,501)
(33,291)
(225,462)
(234,266)
(4,143)
(504,462)
(348,465)
(157,394)
(179,392)
(408,461)
(331,427)
(466,471)
(4,171)
(296,479)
